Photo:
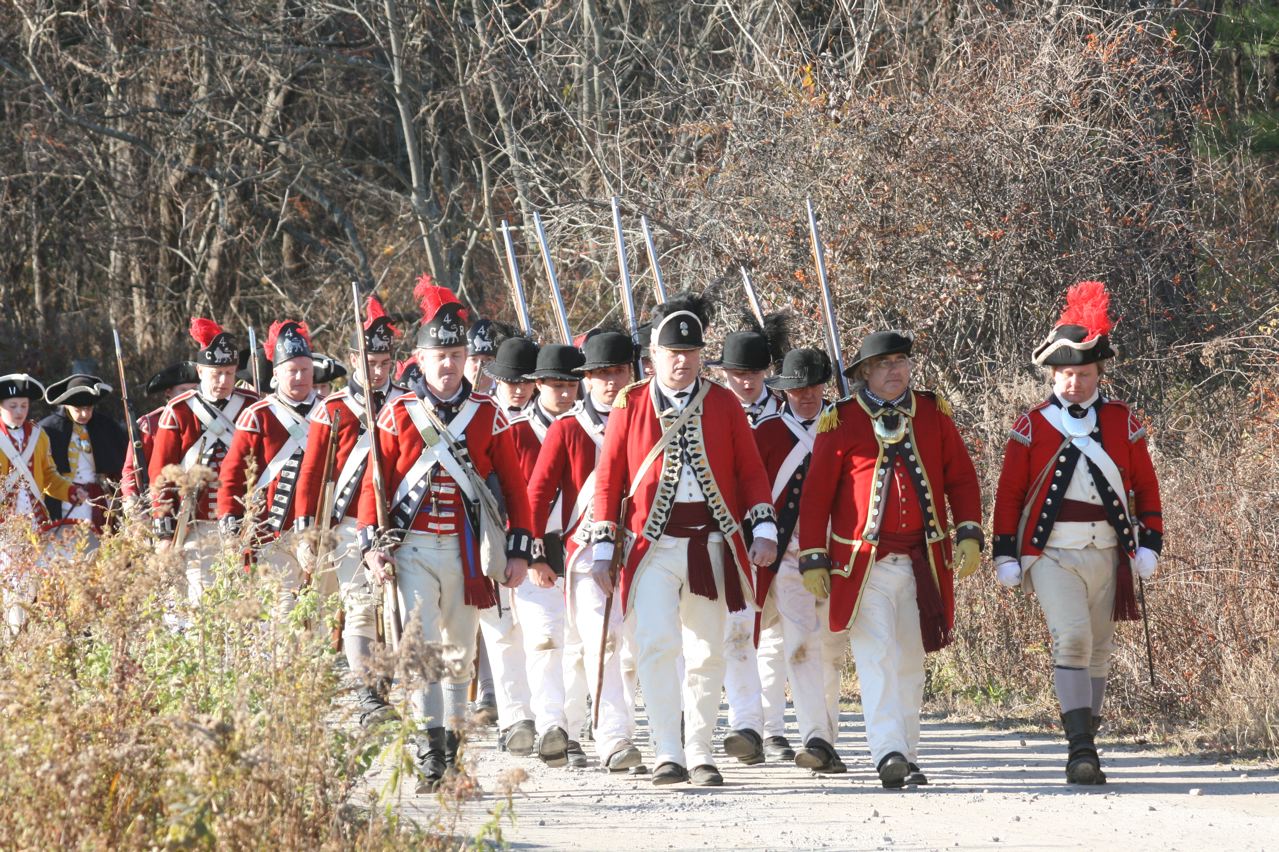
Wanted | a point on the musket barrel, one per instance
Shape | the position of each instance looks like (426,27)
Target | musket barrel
(751,297)
(659,284)
(828,306)
(557,298)
(517,282)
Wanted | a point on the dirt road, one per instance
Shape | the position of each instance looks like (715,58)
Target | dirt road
(991,789)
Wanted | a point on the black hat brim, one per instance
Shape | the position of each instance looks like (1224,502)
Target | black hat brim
(62,393)
(504,372)
(599,365)
(554,375)
(785,383)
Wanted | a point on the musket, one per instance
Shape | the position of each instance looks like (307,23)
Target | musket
(392,625)
(253,362)
(517,283)
(135,440)
(557,300)
(659,285)
(614,569)
(751,297)
(624,280)
(828,304)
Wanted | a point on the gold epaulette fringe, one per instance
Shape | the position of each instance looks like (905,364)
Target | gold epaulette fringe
(620,400)
(829,419)
(943,405)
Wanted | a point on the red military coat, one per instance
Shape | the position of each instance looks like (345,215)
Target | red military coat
(778,435)
(178,441)
(850,460)
(263,432)
(725,458)
(489,444)
(348,472)
(147,426)
(565,472)
(1034,444)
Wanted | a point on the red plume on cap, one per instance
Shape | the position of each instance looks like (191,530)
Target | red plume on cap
(1088,305)
(204,330)
(374,311)
(431,298)
(274,332)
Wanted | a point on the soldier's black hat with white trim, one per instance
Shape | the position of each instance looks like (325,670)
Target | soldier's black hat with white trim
(680,323)
(802,368)
(20,386)
(516,358)
(78,389)
(327,368)
(1082,334)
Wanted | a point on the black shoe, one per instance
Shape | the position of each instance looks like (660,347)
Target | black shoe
(745,745)
(893,770)
(669,773)
(576,757)
(484,713)
(916,778)
(817,755)
(705,776)
(519,739)
(777,748)
(624,757)
(452,745)
(373,708)
(1083,765)
(430,761)
(552,748)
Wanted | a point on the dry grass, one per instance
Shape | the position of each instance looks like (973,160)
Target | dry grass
(118,731)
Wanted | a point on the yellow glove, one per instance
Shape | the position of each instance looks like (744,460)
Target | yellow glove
(817,582)
(967,557)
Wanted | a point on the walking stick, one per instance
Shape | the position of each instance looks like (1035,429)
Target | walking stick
(1145,623)
(614,569)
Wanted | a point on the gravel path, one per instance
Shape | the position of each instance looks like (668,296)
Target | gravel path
(990,789)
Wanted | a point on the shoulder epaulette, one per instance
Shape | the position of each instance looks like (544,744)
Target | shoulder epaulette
(620,400)
(828,421)
(1021,431)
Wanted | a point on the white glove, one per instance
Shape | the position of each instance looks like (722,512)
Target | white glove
(1008,571)
(1145,562)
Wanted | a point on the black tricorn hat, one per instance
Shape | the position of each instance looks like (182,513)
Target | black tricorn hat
(516,358)
(263,364)
(327,368)
(680,322)
(181,373)
(802,368)
(756,347)
(880,343)
(20,386)
(1082,334)
(77,389)
(558,361)
(606,349)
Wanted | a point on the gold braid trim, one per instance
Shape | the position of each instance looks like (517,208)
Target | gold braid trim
(620,400)
(829,419)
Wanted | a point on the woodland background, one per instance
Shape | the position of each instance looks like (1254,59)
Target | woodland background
(247,160)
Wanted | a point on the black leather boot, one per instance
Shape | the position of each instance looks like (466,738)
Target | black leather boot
(431,762)
(1083,765)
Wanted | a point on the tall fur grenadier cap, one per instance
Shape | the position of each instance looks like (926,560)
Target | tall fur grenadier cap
(1082,334)
(288,339)
(680,322)
(217,347)
(756,346)
(443,316)
(379,333)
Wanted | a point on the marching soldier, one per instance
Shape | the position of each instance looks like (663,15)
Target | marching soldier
(439,444)
(892,462)
(501,636)
(341,419)
(28,477)
(87,445)
(557,681)
(171,381)
(564,480)
(747,360)
(270,438)
(195,430)
(792,620)
(1076,513)
(679,453)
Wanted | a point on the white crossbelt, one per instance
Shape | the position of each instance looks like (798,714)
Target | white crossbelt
(219,425)
(298,428)
(803,449)
(436,452)
(20,462)
(1091,449)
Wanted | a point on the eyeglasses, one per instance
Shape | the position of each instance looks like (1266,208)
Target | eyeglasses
(890,364)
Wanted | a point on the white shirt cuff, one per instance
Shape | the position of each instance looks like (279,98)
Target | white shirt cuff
(766,530)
